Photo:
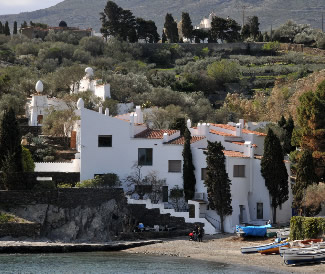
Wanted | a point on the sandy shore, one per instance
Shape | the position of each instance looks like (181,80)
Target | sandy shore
(225,249)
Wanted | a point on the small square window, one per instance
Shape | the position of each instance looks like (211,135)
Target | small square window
(203,173)
(145,156)
(239,171)
(174,165)
(105,141)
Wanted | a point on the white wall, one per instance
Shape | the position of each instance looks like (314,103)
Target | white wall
(73,166)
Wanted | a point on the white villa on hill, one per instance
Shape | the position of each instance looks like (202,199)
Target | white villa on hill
(114,144)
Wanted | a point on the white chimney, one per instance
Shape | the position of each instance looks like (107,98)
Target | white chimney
(207,130)
(189,123)
(165,138)
(238,130)
(139,113)
(203,129)
(100,110)
(242,122)
(131,125)
(136,117)
(107,111)
(249,149)
(199,129)
(80,103)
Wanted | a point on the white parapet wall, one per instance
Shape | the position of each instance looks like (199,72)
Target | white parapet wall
(209,229)
(73,166)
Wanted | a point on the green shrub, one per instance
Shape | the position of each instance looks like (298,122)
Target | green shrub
(101,181)
(64,185)
(306,227)
(44,185)
(27,159)
(6,218)
(224,71)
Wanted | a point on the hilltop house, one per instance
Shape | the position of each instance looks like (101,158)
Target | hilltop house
(115,144)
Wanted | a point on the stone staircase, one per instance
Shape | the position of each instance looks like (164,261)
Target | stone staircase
(208,227)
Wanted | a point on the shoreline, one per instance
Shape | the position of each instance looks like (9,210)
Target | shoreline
(25,247)
(220,248)
(225,249)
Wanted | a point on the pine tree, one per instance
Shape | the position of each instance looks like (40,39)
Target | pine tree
(15,28)
(312,126)
(217,181)
(305,177)
(171,30)
(274,171)
(10,147)
(6,29)
(189,179)
(187,27)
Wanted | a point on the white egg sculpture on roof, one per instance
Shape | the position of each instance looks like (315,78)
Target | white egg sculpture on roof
(89,72)
(80,103)
(39,86)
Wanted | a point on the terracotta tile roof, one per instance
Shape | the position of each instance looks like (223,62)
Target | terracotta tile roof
(154,133)
(181,140)
(220,133)
(235,154)
(246,131)
(240,143)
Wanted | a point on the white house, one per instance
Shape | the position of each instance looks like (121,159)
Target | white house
(114,144)
(38,105)
(96,86)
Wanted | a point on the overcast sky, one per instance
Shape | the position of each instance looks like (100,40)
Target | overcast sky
(17,6)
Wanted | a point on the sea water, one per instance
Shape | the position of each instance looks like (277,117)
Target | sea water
(111,262)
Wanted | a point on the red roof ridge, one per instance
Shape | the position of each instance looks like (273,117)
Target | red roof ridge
(155,133)
(181,140)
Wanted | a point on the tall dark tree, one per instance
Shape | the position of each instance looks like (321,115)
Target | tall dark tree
(147,30)
(6,29)
(305,177)
(15,31)
(245,32)
(171,29)
(187,27)
(1,28)
(179,124)
(282,121)
(274,171)
(254,26)
(118,22)
(288,127)
(200,35)
(312,126)
(10,150)
(163,37)
(24,25)
(189,179)
(217,181)
(224,29)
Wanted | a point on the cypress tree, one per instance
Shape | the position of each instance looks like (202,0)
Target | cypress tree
(171,30)
(187,27)
(179,124)
(189,179)
(10,150)
(217,181)
(15,28)
(163,37)
(282,121)
(274,171)
(305,177)
(1,28)
(288,127)
(6,29)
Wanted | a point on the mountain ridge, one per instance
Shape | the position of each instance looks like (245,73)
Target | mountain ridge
(85,14)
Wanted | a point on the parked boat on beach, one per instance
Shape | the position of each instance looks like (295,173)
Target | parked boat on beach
(253,249)
(303,257)
(272,249)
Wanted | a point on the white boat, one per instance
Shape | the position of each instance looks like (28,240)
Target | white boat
(253,249)
(303,257)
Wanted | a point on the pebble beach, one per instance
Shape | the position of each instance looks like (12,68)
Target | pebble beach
(225,249)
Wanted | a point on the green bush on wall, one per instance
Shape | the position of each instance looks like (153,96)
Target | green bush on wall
(306,227)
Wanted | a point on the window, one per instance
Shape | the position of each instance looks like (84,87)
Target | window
(259,210)
(145,156)
(174,165)
(203,173)
(239,171)
(105,141)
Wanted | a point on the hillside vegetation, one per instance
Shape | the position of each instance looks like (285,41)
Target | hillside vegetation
(85,14)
